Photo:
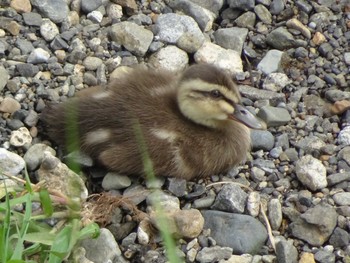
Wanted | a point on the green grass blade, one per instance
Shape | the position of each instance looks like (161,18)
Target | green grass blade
(46,202)
(5,230)
(162,221)
(18,252)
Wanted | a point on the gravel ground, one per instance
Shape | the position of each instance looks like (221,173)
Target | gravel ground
(292,61)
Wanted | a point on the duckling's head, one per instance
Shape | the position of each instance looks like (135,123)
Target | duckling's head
(208,96)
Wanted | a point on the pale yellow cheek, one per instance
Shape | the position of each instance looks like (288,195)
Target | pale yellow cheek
(226,108)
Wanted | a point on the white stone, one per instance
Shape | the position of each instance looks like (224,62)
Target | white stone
(344,136)
(10,162)
(20,137)
(311,173)
(276,81)
(95,16)
(226,59)
(38,55)
(48,29)
(170,58)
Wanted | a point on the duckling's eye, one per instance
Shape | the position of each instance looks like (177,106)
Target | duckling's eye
(215,94)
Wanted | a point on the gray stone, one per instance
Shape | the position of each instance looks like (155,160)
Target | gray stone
(167,201)
(4,76)
(170,27)
(79,158)
(311,144)
(247,20)
(231,198)
(115,181)
(134,38)
(274,116)
(226,59)
(337,178)
(337,95)
(241,4)
(275,213)
(340,238)
(88,6)
(246,235)
(31,119)
(102,249)
(324,256)
(304,6)
(202,16)
(277,7)
(136,193)
(231,38)
(342,198)
(49,9)
(35,154)
(266,165)
(286,252)
(262,140)
(313,226)
(204,202)
(263,14)
(92,63)
(311,173)
(271,62)
(259,94)
(325,48)
(24,45)
(188,42)
(280,38)
(216,253)
(10,162)
(212,5)
(177,186)
(170,58)
(32,19)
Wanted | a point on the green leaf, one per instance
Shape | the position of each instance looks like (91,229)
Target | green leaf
(61,244)
(46,202)
(92,230)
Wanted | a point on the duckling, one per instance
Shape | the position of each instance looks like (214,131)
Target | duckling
(193,124)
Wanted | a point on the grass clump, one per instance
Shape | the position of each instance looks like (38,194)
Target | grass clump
(25,236)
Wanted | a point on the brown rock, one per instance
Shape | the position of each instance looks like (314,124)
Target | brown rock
(318,38)
(13,28)
(21,6)
(189,222)
(129,5)
(9,105)
(307,257)
(296,24)
(340,106)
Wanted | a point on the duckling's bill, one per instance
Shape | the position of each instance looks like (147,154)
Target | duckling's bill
(244,116)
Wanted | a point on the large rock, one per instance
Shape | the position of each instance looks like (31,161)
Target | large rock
(244,234)
(133,37)
(316,225)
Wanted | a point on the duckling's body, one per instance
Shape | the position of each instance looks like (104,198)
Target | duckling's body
(181,141)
